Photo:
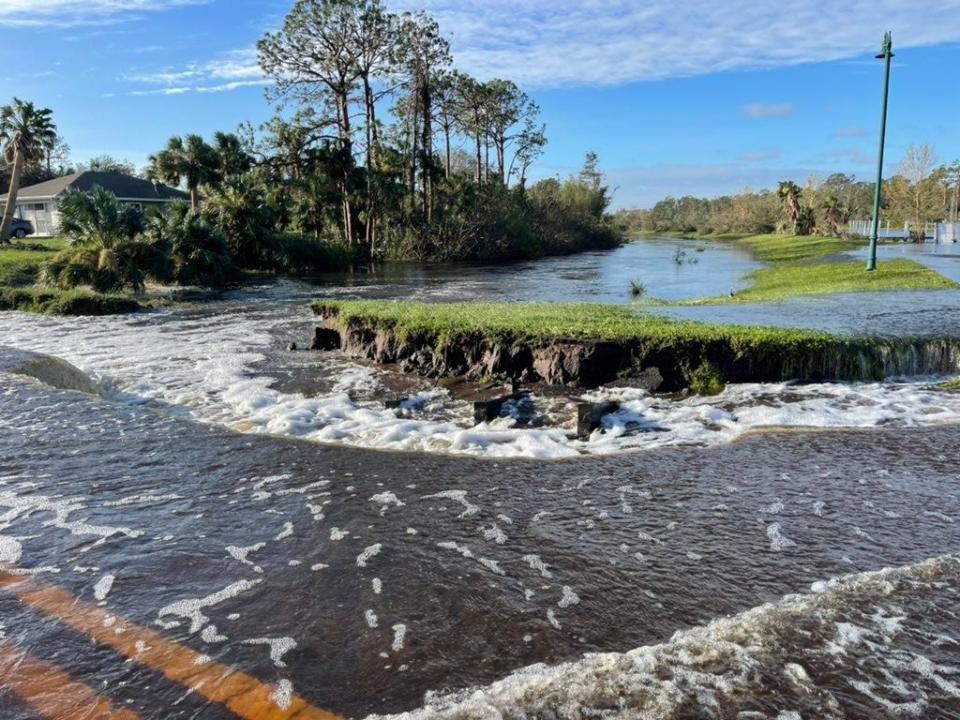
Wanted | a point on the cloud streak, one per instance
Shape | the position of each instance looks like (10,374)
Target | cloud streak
(73,13)
(763,110)
(543,43)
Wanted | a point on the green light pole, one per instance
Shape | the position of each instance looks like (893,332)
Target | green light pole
(886,53)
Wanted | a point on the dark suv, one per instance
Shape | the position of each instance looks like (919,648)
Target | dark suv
(19,229)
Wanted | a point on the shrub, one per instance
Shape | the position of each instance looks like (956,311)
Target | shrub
(194,253)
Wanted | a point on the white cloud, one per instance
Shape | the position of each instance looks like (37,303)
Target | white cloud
(69,13)
(764,110)
(545,43)
(230,71)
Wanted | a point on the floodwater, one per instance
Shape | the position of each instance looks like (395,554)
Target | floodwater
(359,581)
(726,571)
(669,269)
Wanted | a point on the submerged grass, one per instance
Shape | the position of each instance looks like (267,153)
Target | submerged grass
(783,280)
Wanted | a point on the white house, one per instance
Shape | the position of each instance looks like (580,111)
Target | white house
(38,203)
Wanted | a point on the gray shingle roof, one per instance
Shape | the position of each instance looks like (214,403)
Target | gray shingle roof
(123,186)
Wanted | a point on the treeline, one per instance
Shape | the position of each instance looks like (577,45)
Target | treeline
(921,191)
(381,146)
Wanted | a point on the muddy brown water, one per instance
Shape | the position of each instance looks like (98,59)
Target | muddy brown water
(487,565)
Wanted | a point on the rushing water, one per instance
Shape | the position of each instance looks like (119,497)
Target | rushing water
(224,362)
(366,579)
(726,580)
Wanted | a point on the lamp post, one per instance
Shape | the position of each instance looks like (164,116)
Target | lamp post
(886,54)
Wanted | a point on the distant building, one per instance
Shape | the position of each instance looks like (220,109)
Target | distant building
(39,203)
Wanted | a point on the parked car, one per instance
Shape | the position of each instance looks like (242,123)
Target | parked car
(19,229)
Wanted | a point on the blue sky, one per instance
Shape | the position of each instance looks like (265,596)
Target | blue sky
(695,97)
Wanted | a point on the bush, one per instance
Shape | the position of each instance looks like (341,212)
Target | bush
(194,253)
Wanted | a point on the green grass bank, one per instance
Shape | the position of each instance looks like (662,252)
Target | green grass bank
(591,345)
(811,265)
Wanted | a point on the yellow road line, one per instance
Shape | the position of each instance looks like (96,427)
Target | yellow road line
(246,696)
(51,692)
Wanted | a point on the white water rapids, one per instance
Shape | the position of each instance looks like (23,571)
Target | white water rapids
(221,365)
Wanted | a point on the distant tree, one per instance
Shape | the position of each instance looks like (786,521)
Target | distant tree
(107,163)
(314,59)
(915,192)
(27,134)
(789,194)
(234,161)
(189,160)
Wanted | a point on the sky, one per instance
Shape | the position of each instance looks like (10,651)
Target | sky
(676,96)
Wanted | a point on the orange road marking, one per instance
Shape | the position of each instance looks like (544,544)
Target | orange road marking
(246,696)
(51,692)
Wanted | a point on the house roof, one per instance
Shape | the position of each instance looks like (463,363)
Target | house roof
(123,186)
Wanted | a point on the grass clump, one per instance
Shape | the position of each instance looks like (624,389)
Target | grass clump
(638,289)
(952,384)
(50,301)
(773,284)
(706,380)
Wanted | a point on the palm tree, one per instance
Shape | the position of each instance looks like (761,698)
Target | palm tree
(189,160)
(234,160)
(27,134)
(107,251)
(789,193)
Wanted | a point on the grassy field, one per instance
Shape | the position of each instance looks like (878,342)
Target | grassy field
(803,265)
(791,279)
(792,248)
(20,261)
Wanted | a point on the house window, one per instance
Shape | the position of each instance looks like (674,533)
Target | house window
(37,207)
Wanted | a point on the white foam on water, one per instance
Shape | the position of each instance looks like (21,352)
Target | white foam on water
(208,365)
(103,587)
(569,599)
(385,500)
(283,694)
(460,496)
(399,635)
(778,542)
(191,609)
(715,667)
(11,550)
(368,554)
(278,647)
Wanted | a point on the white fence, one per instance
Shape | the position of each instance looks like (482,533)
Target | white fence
(937,232)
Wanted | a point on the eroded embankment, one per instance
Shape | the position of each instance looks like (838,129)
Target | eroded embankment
(589,346)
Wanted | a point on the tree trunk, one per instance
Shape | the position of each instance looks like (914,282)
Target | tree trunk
(479,161)
(446,151)
(414,141)
(11,197)
(426,100)
(194,200)
(501,158)
(372,140)
(347,151)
